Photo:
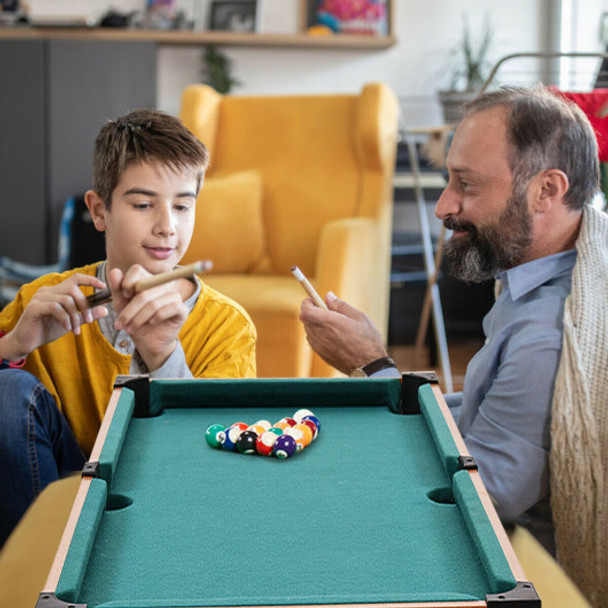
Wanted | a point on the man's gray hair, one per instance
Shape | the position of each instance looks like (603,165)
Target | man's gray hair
(546,131)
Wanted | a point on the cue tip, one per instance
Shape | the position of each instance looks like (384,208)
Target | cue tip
(297,273)
(202,266)
(308,288)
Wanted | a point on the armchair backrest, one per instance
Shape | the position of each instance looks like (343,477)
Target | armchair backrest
(321,158)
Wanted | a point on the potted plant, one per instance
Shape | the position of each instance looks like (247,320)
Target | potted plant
(217,71)
(469,71)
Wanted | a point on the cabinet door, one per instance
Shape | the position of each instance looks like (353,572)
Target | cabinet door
(22,151)
(55,95)
(89,83)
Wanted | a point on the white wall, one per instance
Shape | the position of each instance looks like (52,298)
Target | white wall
(414,68)
(427,32)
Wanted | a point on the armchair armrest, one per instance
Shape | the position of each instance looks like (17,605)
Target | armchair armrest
(345,265)
(200,110)
(345,260)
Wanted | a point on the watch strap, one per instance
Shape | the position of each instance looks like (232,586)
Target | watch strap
(378,365)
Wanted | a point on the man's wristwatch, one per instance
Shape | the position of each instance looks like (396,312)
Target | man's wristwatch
(371,368)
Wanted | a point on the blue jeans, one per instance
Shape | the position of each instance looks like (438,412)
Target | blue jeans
(37,445)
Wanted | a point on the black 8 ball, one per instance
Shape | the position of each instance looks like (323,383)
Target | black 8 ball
(245,444)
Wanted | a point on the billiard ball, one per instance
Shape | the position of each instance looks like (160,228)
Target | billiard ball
(215,434)
(258,429)
(315,420)
(281,424)
(241,425)
(231,437)
(312,426)
(276,430)
(298,435)
(289,421)
(265,442)
(265,424)
(307,433)
(300,414)
(245,444)
(284,446)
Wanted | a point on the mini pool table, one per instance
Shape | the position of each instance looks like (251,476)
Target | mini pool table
(384,508)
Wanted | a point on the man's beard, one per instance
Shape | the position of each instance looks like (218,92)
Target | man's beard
(483,252)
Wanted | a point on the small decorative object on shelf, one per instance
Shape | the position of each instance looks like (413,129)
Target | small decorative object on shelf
(159,14)
(12,12)
(358,17)
(233,16)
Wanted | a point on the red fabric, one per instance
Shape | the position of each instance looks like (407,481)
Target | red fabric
(14,364)
(595,105)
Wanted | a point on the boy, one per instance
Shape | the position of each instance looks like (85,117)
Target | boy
(148,170)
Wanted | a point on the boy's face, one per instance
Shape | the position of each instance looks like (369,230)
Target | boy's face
(151,218)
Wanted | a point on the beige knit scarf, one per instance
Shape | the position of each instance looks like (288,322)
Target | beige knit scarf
(579,427)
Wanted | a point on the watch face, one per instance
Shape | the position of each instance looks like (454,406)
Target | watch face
(357,373)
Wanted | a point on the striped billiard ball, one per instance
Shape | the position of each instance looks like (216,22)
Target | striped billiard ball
(232,434)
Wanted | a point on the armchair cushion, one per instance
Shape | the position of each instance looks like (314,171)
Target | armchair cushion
(274,305)
(230,205)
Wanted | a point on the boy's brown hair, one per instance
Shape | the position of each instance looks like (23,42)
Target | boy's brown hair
(144,136)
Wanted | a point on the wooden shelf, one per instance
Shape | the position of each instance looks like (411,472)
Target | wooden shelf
(194,38)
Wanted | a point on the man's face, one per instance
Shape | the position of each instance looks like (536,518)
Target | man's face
(151,218)
(491,223)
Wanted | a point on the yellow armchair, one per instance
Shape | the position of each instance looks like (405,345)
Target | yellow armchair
(295,180)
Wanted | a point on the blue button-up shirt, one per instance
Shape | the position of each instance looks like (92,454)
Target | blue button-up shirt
(504,411)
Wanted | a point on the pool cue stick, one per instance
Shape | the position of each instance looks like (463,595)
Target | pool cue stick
(308,288)
(105,295)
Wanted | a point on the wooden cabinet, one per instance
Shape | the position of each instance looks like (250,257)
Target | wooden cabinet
(55,95)
(59,85)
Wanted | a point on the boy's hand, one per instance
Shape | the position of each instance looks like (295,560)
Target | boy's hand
(342,336)
(52,312)
(152,317)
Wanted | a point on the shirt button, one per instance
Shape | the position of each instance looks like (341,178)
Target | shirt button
(123,343)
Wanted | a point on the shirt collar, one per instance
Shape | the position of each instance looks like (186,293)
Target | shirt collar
(522,279)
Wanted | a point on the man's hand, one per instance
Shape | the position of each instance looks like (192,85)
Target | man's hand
(153,317)
(342,336)
(52,312)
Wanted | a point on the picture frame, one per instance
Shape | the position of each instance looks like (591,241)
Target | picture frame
(233,16)
(348,17)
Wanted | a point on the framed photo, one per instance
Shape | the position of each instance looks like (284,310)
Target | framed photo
(359,17)
(233,16)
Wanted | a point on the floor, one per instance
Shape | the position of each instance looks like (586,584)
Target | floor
(460,353)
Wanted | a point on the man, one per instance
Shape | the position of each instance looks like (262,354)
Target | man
(523,169)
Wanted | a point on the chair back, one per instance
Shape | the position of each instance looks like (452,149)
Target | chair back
(321,157)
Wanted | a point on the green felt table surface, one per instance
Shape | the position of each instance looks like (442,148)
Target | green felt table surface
(371,511)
